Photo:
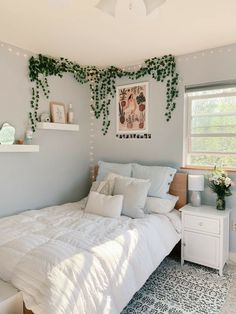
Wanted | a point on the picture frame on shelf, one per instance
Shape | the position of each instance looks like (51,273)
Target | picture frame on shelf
(58,112)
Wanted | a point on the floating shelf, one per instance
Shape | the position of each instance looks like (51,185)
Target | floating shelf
(57,126)
(14,148)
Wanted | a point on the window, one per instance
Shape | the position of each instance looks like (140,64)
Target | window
(211,127)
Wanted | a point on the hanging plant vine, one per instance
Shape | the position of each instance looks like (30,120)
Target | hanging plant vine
(101,82)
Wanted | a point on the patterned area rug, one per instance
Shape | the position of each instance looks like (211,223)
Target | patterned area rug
(171,289)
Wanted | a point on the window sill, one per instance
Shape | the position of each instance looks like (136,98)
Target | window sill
(206,168)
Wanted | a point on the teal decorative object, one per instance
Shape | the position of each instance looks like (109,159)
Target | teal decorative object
(7,134)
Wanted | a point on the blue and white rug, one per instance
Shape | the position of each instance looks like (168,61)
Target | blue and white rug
(171,289)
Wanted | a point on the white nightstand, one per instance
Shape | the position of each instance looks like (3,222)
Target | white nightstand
(11,301)
(205,236)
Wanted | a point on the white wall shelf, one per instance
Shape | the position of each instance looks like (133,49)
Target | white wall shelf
(57,126)
(19,148)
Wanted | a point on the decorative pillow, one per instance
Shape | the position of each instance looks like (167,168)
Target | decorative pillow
(110,178)
(106,167)
(135,194)
(104,205)
(160,178)
(113,176)
(161,205)
(102,187)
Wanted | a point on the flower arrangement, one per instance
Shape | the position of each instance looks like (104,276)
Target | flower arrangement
(220,183)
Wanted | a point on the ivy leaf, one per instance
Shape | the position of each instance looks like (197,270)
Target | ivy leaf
(101,81)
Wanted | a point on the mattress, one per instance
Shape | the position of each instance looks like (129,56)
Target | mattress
(68,261)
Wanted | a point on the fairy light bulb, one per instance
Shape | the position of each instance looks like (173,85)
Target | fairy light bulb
(130,5)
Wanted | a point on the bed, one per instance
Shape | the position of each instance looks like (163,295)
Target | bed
(66,261)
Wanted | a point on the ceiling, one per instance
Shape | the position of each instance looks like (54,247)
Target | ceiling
(77,30)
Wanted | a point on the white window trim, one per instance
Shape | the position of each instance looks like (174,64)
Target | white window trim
(187,129)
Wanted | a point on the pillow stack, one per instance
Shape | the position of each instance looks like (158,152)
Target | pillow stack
(100,199)
(115,192)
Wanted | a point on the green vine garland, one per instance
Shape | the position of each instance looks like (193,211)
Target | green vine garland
(101,82)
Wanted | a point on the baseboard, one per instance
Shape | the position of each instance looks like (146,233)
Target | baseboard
(232,257)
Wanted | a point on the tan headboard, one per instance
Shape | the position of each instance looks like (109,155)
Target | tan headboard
(178,187)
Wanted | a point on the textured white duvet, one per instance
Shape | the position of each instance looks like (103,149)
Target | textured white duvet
(69,262)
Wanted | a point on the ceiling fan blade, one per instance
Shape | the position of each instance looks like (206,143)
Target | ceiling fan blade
(107,6)
(151,5)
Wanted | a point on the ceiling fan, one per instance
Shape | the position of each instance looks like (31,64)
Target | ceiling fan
(109,6)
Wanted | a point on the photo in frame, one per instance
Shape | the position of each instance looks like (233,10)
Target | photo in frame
(132,108)
(58,112)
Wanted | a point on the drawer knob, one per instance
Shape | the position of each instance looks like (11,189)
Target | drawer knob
(200,224)
(184,244)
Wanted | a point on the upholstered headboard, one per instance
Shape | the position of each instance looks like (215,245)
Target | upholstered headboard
(178,187)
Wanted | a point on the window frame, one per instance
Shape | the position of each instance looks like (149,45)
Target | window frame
(188,127)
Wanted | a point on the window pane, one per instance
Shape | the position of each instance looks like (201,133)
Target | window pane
(214,124)
(214,105)
(212,112)
(211,160)
(213,144)
(212,91)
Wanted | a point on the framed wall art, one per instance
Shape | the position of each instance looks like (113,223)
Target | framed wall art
(132,108)
(58,112)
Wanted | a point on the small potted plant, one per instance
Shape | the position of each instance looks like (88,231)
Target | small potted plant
(122,113)
(220,183)
(141,101)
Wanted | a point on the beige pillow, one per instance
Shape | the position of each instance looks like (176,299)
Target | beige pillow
(111,177)
(104,205)
(135,194)
(103,187)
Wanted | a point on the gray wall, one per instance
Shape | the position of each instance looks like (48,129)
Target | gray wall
(166,145)
(59,172)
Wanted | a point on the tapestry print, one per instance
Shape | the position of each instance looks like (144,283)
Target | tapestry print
(132,103)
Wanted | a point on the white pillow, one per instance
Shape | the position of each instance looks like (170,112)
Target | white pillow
(161,205)
(104,205)
(106,167)
(102,187)
(135,195)
(160,178)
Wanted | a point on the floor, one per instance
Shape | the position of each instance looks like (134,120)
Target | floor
(193,289)
(230,304)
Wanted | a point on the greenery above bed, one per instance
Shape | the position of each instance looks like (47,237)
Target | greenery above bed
(102,82)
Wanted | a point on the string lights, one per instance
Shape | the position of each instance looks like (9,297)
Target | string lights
(92,135)
(183,58)
(14,51)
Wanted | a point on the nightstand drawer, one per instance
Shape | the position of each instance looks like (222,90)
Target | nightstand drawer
(202,224)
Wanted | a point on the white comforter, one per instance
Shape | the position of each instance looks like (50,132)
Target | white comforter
(69,262)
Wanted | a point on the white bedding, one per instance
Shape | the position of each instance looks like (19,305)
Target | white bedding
(66,261)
